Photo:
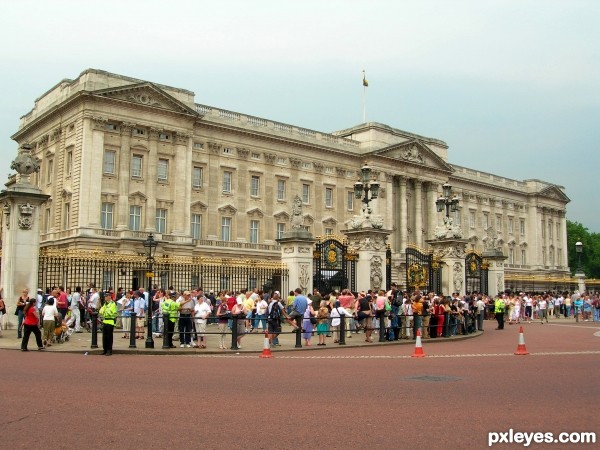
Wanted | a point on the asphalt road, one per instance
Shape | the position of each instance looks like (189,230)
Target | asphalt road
(368,397)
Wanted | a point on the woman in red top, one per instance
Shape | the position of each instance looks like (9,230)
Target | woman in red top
(31,325)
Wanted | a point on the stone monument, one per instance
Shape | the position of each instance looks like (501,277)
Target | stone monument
(21,232)
(495,258)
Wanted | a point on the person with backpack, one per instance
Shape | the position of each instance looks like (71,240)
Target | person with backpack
(275,314)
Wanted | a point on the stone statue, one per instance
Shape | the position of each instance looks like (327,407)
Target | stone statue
(491,239)
(448,230)
(458,276)
(297,220)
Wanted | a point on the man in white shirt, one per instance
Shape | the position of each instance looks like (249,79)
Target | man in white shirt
(186,305)
(528,307)
(202,311)
(480,305)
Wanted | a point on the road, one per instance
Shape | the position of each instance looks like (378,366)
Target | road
(368,397)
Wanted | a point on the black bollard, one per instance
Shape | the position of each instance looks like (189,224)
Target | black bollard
(381,326)
(166,344)
(342,338)
(234,332)
(298,333)
(132,332)
(94,316)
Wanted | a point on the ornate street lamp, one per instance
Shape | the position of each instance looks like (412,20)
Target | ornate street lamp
(150,246)
(579,251)
(447,200)
(364,186)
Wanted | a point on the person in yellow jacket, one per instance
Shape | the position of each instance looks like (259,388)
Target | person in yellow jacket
(169,309)
(108,312)
(499,307)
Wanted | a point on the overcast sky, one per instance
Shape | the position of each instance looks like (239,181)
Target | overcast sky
(513,87)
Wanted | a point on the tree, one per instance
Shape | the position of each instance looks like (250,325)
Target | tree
(590,257)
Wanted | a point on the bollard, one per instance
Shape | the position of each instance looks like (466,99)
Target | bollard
(94,316)
(381,326)
(342,335)
(234,332)
(165,344)
(132,332)
(298,333)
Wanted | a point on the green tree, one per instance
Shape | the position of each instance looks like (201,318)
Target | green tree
(590,257)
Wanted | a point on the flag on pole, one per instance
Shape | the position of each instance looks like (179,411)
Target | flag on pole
(365,82)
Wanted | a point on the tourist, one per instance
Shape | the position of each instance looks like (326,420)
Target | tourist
(239,312)
(364,314)
(21,302)
(222,318)
(31,325)
(202,311)
(323,322)
(49,317)
(308,322)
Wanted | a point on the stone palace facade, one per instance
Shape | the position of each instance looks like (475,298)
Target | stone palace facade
(122,157)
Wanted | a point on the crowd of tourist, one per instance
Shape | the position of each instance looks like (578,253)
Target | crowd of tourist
(395,314)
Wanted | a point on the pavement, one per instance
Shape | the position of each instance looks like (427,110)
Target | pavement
(251,343)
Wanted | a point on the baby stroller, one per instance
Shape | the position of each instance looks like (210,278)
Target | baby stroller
(62,332)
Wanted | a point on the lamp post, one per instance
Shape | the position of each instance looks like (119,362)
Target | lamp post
(364,186)
(579,251)
(150,246)
(446,200)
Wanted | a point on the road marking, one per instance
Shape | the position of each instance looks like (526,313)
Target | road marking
(466,355)
(573,326)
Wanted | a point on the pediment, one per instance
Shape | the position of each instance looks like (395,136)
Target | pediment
(554,192)
(227,209)
(198,206)
(329,221)
(138,195)
(146,94)
(282,216)
(415,152)
(308,219)
(255,213)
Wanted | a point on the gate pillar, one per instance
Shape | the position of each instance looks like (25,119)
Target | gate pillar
(451,254)
(21,232)
(370,245)
(297,253)
(495,260)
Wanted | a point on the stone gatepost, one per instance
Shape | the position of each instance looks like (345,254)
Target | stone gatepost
(297,251)
(370,245)
(495,260)
(21,232)
(450,253)
(580,281)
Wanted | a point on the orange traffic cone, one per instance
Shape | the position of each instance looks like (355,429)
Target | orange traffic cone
(521,350)
(418,347)
(266,353)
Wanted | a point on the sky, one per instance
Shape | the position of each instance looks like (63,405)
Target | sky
(512,86)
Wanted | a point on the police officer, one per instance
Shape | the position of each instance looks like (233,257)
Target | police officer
(499,306)
(169,310)
(108,311)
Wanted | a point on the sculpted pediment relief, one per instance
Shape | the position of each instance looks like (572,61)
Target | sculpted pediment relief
(227,209)
(415,152)
(555,193)
(255,213)
(146,94)
(282,216)
(198,206)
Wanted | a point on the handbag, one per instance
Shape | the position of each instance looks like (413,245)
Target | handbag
(313,320)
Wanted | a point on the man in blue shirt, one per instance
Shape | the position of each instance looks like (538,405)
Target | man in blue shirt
(299,307)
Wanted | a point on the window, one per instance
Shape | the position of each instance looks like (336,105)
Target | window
(227,182)
(523,257)
(139,132)
(69,163)
(225,228)
(161,220)
(67,216)
(196,226)
(50,171)
(306,165)
(197,178)
(280,160)
(106,216)
(255,155)
(280,230)
(558,231)
(109,163)
(511,225)
(227,150)
(499,223)
(136,166)
(135,218)
(486,221)
(111,127)
(511,256)
(350,200)
(306,193)
(471,219)
(47,220)
(255,186)
(254,227)
(281,190)
(163,170)
(328,197)
(522,227)
(328,230)
(550,229)
(457,220)
(544,232)
(164,136)
(551,256)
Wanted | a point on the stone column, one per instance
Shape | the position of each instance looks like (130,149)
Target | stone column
(370,245)
(451,254)
(183,185)
(150,182)
(124,176)
(297,253)
(21,233)
(403,228)
(432,213)
(496,282)
(418,213)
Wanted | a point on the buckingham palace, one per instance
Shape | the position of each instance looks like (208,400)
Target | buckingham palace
(121,158)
